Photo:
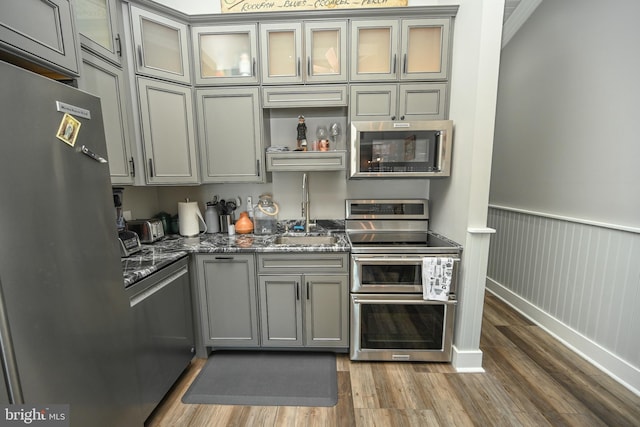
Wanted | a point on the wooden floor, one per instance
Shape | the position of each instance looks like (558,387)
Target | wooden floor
(530,380)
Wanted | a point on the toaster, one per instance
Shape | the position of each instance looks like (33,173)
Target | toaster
(148,230)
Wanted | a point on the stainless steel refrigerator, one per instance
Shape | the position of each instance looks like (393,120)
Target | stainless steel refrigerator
(65,322)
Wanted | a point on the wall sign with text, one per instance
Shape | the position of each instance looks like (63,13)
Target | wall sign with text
(243,6)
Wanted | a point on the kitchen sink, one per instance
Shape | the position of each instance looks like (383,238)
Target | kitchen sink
(306,240)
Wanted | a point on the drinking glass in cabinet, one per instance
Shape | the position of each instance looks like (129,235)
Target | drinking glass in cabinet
(224,55)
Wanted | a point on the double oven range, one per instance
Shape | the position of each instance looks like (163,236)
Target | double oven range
(390,318)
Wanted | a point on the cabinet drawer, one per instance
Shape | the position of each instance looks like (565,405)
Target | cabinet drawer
(304,96)
(307,161)
(303,263)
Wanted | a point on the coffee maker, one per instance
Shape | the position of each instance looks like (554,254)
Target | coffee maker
(129,240)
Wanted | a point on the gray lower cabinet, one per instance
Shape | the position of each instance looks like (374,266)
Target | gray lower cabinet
(227,299)
(304,310)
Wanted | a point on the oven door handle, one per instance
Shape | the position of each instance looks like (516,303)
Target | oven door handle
(404,260)
(363,299)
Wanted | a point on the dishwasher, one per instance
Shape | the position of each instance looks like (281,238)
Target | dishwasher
(164,344)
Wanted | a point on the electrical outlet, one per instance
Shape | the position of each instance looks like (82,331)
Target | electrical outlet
(250,207)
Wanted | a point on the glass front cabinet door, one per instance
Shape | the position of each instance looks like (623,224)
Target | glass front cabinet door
(374,47)
(406,49)
(225,54)
(161,46)
(98,27)
(326,51)
(309,52)
(425,49)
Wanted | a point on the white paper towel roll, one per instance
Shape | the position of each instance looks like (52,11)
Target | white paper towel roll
(188,217)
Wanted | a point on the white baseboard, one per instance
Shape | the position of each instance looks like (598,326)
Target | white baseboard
(467,361)
(620,370)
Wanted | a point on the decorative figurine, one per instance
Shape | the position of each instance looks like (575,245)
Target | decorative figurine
(302,132)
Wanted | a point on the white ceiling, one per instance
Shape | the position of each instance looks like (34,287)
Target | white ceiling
(516,12)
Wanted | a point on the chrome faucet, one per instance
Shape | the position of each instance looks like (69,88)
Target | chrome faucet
(306,203)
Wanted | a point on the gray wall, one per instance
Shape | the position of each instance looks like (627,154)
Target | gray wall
(564,190)
(568,121)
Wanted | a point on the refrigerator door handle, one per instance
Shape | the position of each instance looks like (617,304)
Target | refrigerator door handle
(93,155)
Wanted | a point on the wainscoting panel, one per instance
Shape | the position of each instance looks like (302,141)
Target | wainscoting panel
(587,277)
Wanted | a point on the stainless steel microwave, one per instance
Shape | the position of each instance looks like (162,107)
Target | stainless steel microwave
(413,149)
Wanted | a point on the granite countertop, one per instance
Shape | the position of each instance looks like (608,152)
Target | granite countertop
(154,257)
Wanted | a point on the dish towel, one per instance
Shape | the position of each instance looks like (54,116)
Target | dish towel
(436,278)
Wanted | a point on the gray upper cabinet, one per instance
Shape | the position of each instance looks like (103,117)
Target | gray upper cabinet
(403,102)
(374,50)
(425,49)
(303,52)
(107,81)
(99,28)
(166,115)
(227,298)
(404,49)
(225,54)
(42,32)
(230,132)
(161,46)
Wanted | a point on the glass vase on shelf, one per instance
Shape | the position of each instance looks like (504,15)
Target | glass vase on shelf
(321,138)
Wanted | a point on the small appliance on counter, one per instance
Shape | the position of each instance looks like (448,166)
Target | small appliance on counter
(129,243)
(148,230)
(128,240)
(189,219)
